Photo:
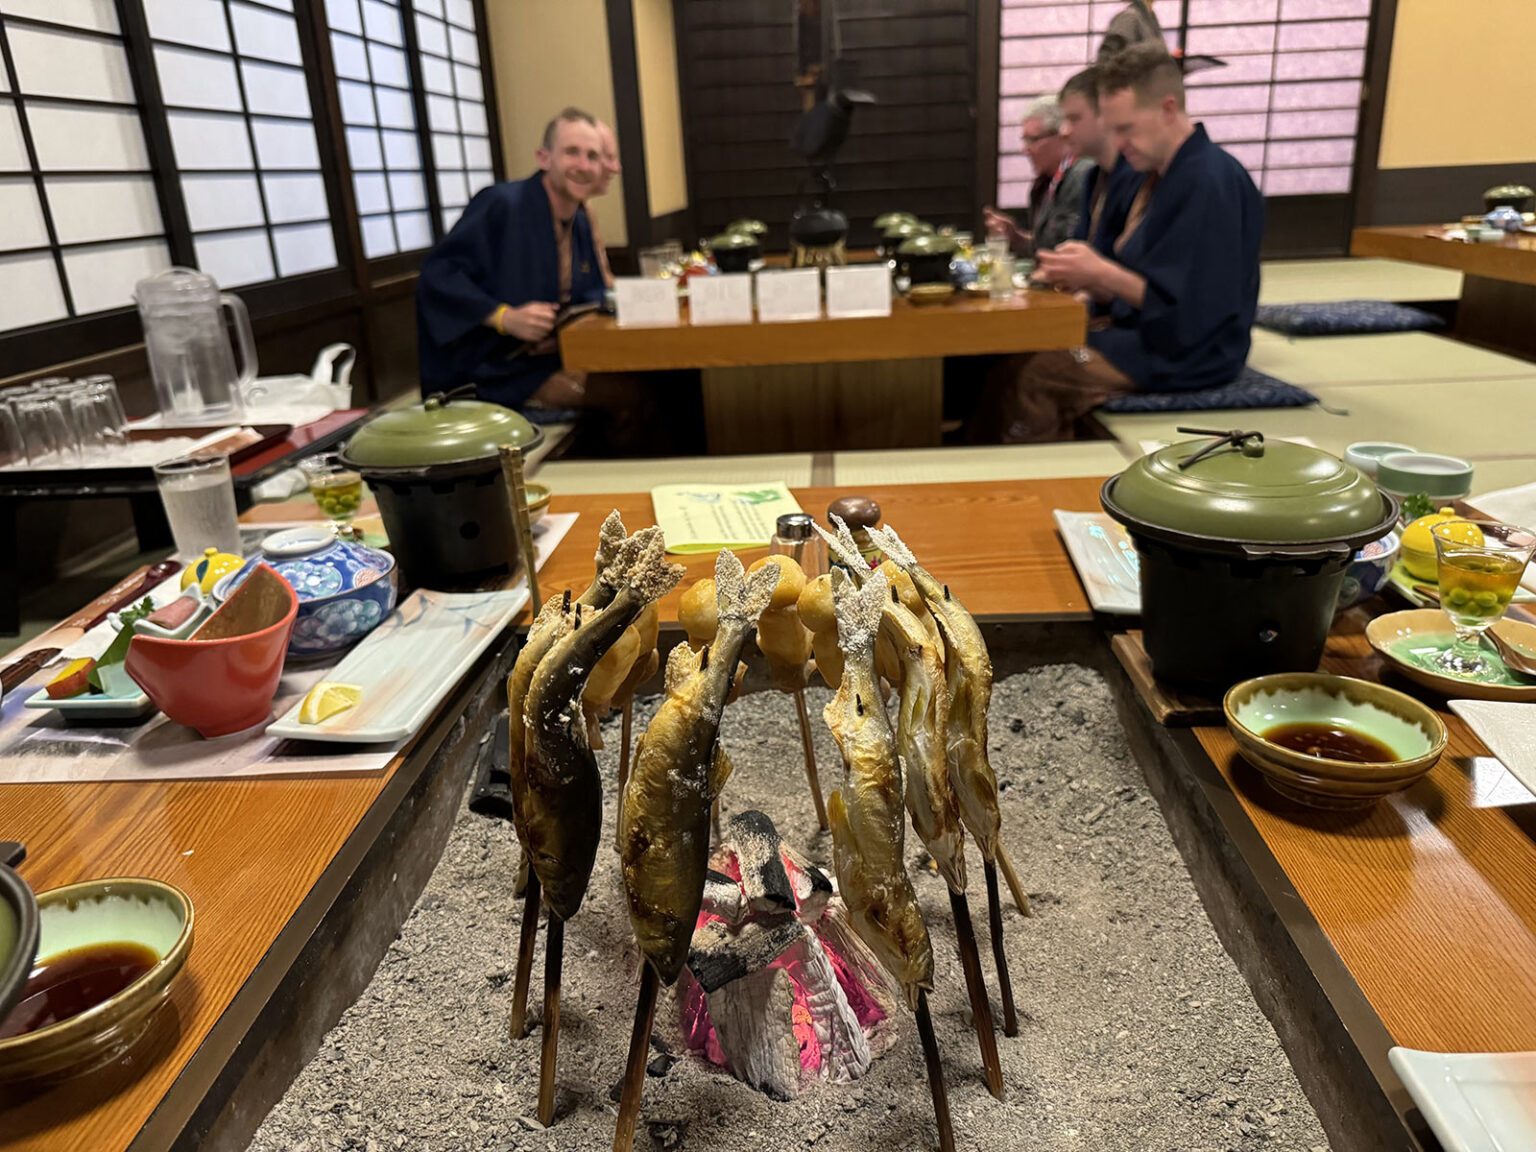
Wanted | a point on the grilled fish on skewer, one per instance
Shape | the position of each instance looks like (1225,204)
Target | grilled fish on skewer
(678,772)
(563,804)
(868,826)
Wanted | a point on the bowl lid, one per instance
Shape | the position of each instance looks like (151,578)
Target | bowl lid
(733,239)
(747,225)
(441,430)
(928,244)
(1508,191)
(887,219)
(1239,486)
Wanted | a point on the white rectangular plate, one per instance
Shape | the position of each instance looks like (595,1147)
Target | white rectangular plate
(95,707)
(1474,1101)
(1105,559)
(407,665)
(1509,730)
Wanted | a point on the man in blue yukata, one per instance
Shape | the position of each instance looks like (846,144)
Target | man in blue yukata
(494,285)
(1177,289)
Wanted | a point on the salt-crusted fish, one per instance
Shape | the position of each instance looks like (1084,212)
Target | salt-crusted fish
(868,826)
(562,806)
(678,772)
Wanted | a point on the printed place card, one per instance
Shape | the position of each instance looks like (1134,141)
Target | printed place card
(722,299)
(859,290)
(642,303)
(789,295)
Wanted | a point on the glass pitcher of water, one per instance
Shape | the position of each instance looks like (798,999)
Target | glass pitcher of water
(190,357)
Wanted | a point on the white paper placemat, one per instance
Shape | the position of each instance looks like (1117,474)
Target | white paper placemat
(1509,730)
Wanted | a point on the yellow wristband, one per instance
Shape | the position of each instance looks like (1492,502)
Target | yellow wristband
(497,317)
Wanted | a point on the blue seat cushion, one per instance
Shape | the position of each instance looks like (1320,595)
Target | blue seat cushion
(1345,318)
(1252,389)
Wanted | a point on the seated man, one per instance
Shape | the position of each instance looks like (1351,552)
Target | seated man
(1110,184)
(493,285)
(1182,285)
(1056,195)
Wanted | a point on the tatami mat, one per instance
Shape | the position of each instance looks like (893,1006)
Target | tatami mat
(576,476)
(993,462)
(1495,475)
(1387,358)
(1471,418)
(1315,281)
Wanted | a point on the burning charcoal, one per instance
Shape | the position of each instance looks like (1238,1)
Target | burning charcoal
(762,870)
(718,956)
(812,886)
(754,1022)
(723,898)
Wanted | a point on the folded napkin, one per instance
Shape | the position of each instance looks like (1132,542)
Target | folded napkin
(1509,730)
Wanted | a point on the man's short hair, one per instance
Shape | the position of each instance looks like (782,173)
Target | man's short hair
(1147,70)
(1047,111)
(566,115)
(1084,84)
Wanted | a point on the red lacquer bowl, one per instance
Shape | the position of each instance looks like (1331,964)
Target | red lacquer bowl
(223,677)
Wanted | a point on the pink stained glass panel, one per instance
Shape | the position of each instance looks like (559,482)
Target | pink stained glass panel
(1057,20)
(1310,153)
(1013,195)
(1205,12)
(1213,100)
(1323,34)
(1250,156)
(1014,169)
(1306,181)
(1292,125)
(1338,65)
(1031,82)
(1232,38)
(1239,70)
(1235,128)
(1318,94)
(1323,9)
(1036,50)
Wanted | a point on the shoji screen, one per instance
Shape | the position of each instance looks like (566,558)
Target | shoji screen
(232,76)
(449,58)
(79,219)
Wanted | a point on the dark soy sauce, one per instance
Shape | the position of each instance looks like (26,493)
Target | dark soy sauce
(68,983)
(1331,743)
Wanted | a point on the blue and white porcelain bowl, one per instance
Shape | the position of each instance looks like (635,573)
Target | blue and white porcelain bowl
(345,589)
(1368,571)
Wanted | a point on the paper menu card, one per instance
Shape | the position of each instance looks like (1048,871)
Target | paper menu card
(858,290)
(722,299)
(794,294)
(642,303)
(708,517)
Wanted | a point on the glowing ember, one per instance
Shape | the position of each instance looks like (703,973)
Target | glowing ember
(779,990)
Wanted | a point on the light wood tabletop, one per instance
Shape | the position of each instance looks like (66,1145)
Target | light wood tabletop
(261,858)
(1512,259)
(1429,898)
(964,326)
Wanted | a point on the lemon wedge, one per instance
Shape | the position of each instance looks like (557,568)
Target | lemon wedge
(326,699)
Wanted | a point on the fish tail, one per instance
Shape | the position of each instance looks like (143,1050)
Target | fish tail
(845,548)
(609,538)
(858,614)
(646,572)
(737,595)
(893,546)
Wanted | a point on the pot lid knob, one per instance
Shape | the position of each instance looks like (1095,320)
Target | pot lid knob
(1250,444)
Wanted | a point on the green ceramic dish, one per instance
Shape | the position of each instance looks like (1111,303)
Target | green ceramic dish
(126,909)
(1411,640)
(1413,731)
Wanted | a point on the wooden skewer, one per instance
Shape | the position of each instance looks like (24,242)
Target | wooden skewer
(999,957)
(634,1071)
(525,941)
(554,955)
(976,986)
(810,759)
(512,469)
(935,1075)
(1020,897)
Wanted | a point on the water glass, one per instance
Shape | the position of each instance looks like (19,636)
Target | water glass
(1000,280)
(95,422)
(199,498)
(653,263)
(13,447)
(337,489)
(1480,565)
(105,385)
(45,426)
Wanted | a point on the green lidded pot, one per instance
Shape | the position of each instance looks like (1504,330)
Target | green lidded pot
(435,470)
(1269,491)
(735,251)
(439,431)
(747,227)
(887,220)
(928,244)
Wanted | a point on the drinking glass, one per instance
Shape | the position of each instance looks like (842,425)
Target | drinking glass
(1481,562)
(13,447)
(105,385)
(337,489)
(199,499)
(653,263)
(1000,281)
(46,427)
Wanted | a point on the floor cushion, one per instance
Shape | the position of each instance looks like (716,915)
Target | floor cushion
(1345,318)
(1252,389)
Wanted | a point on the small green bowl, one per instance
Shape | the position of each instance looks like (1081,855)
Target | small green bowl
(537,496)
(1413,731)
(121,910)
(1439,477)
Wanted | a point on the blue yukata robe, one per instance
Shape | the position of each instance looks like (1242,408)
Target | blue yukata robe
(1198,250)
(502,251)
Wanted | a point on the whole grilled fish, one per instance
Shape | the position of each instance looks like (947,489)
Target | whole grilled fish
(679,770)
(563,805)
(921,722)
(968,674)
(868,826)
(553,621)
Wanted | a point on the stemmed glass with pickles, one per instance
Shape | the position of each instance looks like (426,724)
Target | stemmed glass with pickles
(337,489)
(1481,562)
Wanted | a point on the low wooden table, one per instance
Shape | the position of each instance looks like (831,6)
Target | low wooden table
(1498,291)
(299,885)
(875,382)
